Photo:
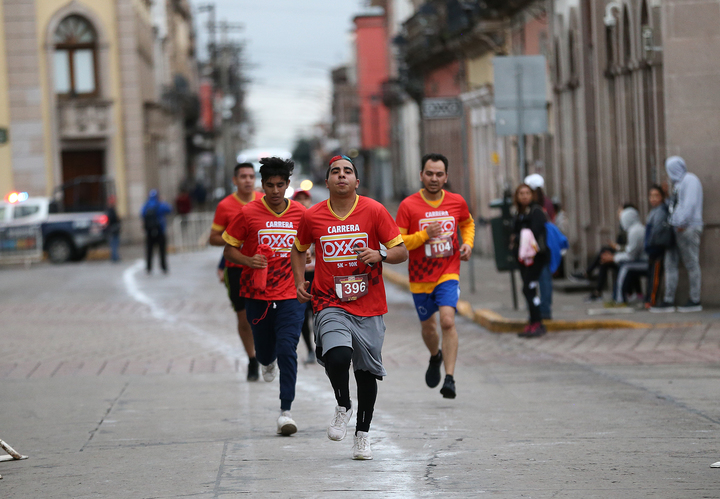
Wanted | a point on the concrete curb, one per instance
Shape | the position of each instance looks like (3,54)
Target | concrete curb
(492,321)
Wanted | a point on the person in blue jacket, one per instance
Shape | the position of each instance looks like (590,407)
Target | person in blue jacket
(153,215)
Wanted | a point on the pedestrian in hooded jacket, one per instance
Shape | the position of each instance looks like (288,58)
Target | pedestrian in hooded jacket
(153,215)
(687,221)
(631,261)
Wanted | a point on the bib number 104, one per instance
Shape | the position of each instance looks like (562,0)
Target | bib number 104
(439,248)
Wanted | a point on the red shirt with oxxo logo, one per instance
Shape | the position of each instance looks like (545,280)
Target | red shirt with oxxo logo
(367,224)
(226,210)
(437,259)
(258,224)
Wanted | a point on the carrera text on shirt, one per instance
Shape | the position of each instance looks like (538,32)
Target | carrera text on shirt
(256,225)
(368,224)
(438,256)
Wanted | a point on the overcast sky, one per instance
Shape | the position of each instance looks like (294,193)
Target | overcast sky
(292,45)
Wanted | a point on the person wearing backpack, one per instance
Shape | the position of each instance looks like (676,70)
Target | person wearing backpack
(153,215)
(686,218)
(658,237)
(536,182)
(529,230)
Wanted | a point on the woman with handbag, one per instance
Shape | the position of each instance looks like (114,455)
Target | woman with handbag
(528,245)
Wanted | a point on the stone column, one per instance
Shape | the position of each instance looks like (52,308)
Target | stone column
(692,111)
(25,95)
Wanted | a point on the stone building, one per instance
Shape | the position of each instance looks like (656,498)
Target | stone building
(635,81)
(83,87)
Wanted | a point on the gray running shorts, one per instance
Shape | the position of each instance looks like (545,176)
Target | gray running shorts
(334,327)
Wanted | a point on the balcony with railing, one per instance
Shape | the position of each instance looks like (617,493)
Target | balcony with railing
(440,29)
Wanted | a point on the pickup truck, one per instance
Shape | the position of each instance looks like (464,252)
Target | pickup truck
(65,236)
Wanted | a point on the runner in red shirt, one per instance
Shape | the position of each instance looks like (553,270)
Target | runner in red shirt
(348,294)
(429,222)
(260,238)
(227,209)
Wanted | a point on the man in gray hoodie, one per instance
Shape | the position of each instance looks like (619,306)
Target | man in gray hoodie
(686,218)
(632,260)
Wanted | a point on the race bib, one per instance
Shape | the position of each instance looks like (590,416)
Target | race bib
(351,287)
(439,247)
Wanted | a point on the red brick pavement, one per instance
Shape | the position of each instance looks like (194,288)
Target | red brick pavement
(123,339)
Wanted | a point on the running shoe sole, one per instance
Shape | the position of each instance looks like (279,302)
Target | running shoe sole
(288,429)
(685,310)
(448,391)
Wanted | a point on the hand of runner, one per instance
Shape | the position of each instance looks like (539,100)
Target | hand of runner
(221,276)
(434,229)
(367,255)
(465,252)
(302,295)
(258,262)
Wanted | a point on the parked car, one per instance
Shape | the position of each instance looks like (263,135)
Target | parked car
(65,236)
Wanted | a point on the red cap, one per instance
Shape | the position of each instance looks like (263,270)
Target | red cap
(301,191)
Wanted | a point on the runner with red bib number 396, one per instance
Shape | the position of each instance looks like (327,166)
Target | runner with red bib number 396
(353,237)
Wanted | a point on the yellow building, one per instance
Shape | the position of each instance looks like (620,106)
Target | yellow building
(81,87)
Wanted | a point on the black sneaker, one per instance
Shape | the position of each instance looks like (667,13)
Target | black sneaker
(593,298)
(663,306)
(448,389)
(690,306)
(253,367)
(432,375)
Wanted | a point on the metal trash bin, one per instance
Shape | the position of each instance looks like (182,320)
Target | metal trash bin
(502,227)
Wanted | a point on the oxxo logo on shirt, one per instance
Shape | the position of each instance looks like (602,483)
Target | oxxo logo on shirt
(339,247)
(447,223)
(280,240)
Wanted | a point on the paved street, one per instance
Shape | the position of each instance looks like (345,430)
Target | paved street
(118,384)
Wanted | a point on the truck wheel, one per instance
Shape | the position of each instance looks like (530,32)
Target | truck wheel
(60,250)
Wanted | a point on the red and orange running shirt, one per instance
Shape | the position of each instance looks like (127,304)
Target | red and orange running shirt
(436,260)
(226,211)
(367,224)
(258,224)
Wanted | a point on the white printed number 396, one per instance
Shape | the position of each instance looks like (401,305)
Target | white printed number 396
(354,288)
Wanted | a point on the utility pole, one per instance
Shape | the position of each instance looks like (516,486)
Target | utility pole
(228,101)
(220,63)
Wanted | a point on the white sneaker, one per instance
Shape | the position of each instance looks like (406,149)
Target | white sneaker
(270,371)
(286,425)
(361,448)
(338,426)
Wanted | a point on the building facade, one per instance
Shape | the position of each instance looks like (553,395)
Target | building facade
(371,70)
(85,84)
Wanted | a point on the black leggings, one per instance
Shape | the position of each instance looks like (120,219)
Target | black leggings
(337,367)
(306,331)
(530,276)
